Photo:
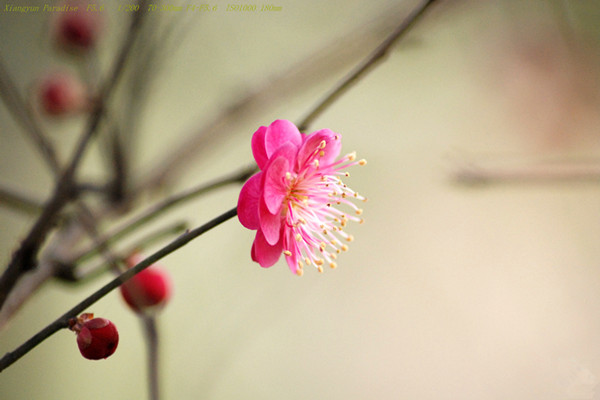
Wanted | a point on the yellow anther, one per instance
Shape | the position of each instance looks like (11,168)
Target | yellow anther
(333,255)
(320,269)
(321,153)
(350,238)
(333,265)
(298,237)
(299,272)
(352,156)
(362,162)
(322,144)
(288,176)
(287,253)
(344,247)
(316,163)
(319,261)
(307,261)
(359,211)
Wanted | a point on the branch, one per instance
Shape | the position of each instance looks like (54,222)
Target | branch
(159,208)
(370,62)
(18,201)
(17,106)
(63,321)
(24,258)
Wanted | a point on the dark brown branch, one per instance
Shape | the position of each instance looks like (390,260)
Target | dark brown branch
(63,321)
(370,62)
(24,258)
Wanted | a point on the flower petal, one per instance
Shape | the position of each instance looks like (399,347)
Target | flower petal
(248,202)
(275,187)
(258,147)
(270,224)
(279,133)
(264,253)
(311,148)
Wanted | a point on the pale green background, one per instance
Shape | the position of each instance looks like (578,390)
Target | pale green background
(447,292)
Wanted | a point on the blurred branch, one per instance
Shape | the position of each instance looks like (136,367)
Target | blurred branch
(22,113)
(63,321)
(79,275)
(324,63)
(19,201)
(564,172)
(24,258)
(369,63)
(165,205)
(151,334)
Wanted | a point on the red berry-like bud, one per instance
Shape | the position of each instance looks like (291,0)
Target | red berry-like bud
(97,338)
(148,290)
(61,93)
(78,30)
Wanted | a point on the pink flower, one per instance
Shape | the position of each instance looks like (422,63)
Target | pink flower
(291,202)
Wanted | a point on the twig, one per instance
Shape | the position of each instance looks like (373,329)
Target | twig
(165,205)
(121,255)
(17,106)
(23,258)
(19,201)
(151,333)
(370,62)
(63,321)
(477,175)
(324,63)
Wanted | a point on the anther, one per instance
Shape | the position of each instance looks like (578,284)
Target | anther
(359,211)
(362,162)
(333,265)
(288,176)
(344,247)
(298,237)
(323,144)
(350,238)
(320,269)
(287,253)
(299,272)
(352,156)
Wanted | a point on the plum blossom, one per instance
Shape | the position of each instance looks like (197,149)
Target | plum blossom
(292,202)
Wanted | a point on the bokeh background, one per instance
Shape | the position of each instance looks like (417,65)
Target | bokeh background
(450,290)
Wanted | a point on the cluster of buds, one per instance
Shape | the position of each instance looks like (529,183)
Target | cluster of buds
(97,338)
(75,30)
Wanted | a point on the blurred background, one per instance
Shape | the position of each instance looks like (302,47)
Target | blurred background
(476,273)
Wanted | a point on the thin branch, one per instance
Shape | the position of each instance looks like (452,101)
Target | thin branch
(19,201)
(165,205)
(370,62)
(478,175)
(63,321)
(151,333)
(18,107)
(79,275)
(24,258)
(324,63)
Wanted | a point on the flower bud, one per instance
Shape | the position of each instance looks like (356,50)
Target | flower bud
(148,290)
(97,338)
(61,93)
(78,30)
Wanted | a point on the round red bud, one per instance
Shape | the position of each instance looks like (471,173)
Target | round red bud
(78,30)
(62,93)
(149,290)
(97,339)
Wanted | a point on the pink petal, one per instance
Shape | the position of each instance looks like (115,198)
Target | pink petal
(270,224)
(248,202)
(279,133)
(264,253)
(312,143)
(258,147)
(275,186)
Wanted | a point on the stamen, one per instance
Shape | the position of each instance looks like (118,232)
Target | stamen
(323,144)
(287,253)
(333,265)
(362,162)
(320,269)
